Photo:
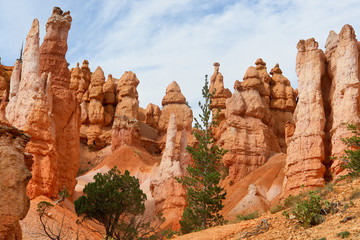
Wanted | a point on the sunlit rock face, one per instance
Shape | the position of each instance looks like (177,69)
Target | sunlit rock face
(65,109)
(248,134)
(218,99)
(14,203)
(42,104)
(304,163)
(174,102)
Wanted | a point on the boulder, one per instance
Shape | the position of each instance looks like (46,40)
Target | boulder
(14,203)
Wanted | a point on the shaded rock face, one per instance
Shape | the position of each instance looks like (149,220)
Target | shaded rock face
(304,163)
(14,203)
(282,103)
(258,191)
(4,83)
(248,134)
(169,195)
(65,110)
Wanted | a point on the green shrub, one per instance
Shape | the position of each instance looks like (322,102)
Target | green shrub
(355,194)
(291,200)
(344,234)
(246,217)
(308,211)
(276,209)
(352,155)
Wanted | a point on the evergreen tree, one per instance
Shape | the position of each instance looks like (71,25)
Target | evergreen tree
(114,200)
(204,196)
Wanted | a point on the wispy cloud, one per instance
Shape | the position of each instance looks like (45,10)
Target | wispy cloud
(163,41)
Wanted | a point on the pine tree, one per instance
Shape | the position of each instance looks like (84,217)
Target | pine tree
(204,196)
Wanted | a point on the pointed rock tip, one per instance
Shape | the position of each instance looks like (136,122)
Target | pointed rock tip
(259,61)
(276,69)
(173,87)
(347,32)
(34,28)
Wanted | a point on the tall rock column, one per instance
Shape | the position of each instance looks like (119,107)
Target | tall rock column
(218,100)
(14,88)
(282,103)
(19,107)
(169,195)
(66,112)
(304,169)
(343,69)
(14,203)
(95,108)
(125,128)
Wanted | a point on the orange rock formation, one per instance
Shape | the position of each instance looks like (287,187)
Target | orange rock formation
(14,203)
(65,110)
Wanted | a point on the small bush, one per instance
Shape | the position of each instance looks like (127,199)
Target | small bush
(276,209)
(291,200)
(286,214)
(355,194)
(352,155)
(168,233)
(246,217)
(344,234)
(308,211)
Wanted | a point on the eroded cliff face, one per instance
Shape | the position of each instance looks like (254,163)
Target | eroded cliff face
(14,203)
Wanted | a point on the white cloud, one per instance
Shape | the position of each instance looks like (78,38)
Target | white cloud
(162,41)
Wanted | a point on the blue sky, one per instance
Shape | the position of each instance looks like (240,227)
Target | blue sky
(162,40)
